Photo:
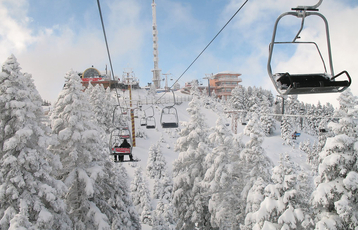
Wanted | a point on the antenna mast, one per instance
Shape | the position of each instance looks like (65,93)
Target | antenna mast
(156,71)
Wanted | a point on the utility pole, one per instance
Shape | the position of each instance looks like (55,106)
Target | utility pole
(208,76)
(166,81)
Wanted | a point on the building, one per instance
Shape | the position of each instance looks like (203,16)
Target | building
(223,83)
(96,77)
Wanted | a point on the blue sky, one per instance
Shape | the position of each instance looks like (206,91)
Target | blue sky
(51,37)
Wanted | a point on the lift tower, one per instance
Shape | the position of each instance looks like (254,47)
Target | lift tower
(156,71)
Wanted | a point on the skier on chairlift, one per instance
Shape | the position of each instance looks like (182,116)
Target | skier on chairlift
(125,144)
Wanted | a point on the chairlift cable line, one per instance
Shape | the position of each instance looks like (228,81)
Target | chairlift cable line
(105,39)
(206,46)
(283,115)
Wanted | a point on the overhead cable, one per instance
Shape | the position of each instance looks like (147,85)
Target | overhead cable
(207,46)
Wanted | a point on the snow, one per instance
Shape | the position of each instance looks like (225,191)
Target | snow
(273,146)
(88,181)
(44,216)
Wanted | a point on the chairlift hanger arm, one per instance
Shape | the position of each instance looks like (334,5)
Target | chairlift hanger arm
(297,14)
(314,7)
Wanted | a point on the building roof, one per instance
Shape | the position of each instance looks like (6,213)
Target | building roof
(228,72)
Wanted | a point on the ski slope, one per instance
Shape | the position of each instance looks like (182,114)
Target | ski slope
(273,145)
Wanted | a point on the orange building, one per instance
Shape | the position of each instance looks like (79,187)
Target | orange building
(223,83)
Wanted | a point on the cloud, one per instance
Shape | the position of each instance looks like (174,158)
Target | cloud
(49,52)
(14,34)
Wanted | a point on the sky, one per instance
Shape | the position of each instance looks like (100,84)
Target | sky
(49,38)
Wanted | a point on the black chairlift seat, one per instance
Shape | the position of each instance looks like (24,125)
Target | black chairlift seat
(169,125)
(310,83)
(150,122)
(150,126)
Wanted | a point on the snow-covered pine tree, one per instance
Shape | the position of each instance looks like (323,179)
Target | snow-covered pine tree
(266,121)
(191,208)
(281,207)
(95,198)
(30,197)
(219,180)
(156,164)
(253,164)
(293,108)
(146,215)
(311,120)
(255,196)
(313,156)
(335,196)
(195,89)
(141,194)
(158,219)
(109,101)
(286,130)
(102,105)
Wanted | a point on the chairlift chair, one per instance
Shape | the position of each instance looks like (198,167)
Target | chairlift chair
(143,121)
(118,118)
(137,109)
(124,111)
(150,122)
(323,130)
(115,146)
(169,116)
(307,83)
(124,133)
(135,112)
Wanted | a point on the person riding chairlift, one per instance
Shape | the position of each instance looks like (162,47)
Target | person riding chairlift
(126,145)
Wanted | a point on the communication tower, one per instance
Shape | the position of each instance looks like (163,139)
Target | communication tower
(156,71)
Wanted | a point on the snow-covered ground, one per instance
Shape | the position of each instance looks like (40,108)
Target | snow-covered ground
(273,145)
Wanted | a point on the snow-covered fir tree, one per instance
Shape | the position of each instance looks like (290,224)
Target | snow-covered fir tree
(292,106)
(219,180)
(253,164)
(286,130)
(335,196)
(191,207)
(102,103)
(156,164)
(141,195)
(255,196)
(163,215)
(281,208)
(95,197)
(30,197)
(266,120)
(159,222)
